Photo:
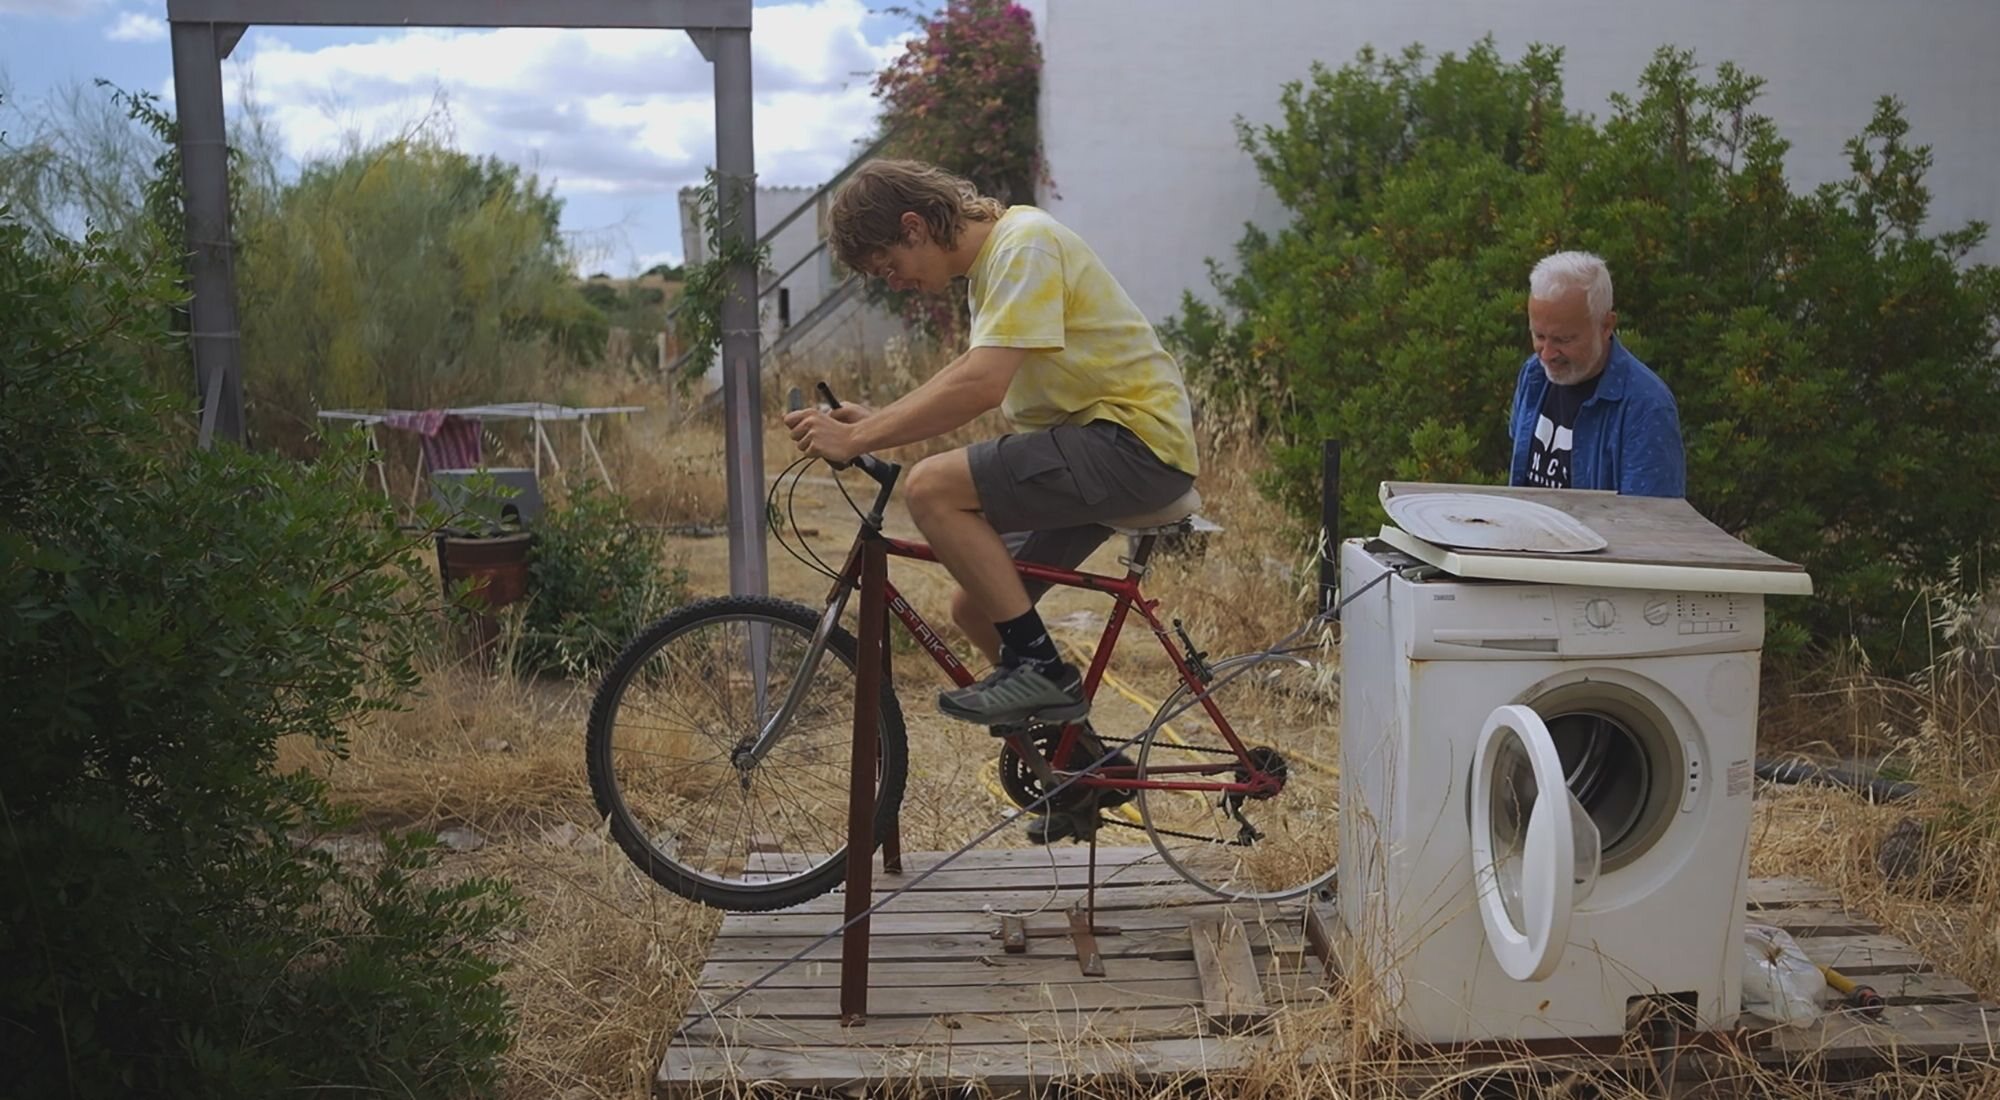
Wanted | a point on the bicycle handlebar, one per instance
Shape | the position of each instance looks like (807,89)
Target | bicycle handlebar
(883,471)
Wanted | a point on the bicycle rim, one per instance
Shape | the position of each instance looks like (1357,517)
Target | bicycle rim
(1281,703)
(669,736)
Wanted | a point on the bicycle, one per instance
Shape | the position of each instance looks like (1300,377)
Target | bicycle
(718,744)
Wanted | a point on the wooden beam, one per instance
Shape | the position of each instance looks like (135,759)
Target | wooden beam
(1232,995)
(632,14)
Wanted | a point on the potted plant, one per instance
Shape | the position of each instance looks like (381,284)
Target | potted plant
(482,546)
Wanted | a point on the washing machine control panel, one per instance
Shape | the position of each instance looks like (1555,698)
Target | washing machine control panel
(1453,618)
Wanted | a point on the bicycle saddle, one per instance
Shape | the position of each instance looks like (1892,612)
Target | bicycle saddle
(1159,521)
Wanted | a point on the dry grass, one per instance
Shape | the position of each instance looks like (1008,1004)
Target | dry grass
(604,961)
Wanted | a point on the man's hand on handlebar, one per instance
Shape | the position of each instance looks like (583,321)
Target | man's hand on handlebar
(827,433)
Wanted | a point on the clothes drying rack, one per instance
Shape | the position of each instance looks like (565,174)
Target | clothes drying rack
(538,414)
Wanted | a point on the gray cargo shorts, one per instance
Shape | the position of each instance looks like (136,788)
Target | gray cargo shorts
(1050,493)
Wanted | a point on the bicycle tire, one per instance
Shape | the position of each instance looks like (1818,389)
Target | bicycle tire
(1278,703)
(638,829)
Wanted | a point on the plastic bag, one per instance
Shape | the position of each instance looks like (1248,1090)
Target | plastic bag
(1779,982)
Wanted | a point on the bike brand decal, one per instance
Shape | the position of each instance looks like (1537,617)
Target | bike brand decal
(925,636)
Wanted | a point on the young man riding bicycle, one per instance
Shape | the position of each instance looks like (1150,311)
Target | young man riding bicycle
(1103,425)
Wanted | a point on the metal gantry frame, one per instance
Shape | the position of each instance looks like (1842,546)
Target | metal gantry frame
(205,31)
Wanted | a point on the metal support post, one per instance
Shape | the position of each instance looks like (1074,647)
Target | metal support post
(742,401)
(892,839)
(861,784)
(1329,523)
(213,335)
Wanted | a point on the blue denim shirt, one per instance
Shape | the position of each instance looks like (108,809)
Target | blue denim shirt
(1627,435)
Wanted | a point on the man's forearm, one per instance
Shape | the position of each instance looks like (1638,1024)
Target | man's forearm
(953,397)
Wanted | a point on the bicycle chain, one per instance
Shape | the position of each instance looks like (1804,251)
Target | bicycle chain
(1103,820)
(1216,751)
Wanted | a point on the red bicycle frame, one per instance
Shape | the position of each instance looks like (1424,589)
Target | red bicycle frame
(1244,776)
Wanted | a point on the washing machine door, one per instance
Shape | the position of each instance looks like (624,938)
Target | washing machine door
(1534,848)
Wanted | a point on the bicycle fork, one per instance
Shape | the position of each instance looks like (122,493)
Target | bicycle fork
(773,730)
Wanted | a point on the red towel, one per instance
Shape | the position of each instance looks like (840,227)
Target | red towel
(450,442)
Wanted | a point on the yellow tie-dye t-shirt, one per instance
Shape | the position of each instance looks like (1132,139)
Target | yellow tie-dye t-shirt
(1091,353)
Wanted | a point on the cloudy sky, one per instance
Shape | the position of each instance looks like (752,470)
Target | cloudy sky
(618,120)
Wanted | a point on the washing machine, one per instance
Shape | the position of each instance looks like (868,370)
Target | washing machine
(1545,789)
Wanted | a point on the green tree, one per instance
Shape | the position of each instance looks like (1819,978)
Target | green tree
(75,162)
(1834,362)
(171,616)
(963,96)
(409,275)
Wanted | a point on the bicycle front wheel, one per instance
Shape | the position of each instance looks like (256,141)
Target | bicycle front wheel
(1284,709)
(672,767)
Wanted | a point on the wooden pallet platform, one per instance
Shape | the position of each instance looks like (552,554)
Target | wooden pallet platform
(1188,987)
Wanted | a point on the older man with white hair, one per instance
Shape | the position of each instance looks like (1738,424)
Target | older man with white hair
(1587,415)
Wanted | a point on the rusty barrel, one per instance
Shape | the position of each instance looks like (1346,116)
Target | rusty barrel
(497,567)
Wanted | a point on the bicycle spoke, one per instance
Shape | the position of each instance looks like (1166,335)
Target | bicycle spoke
(682,716)
(1244,846)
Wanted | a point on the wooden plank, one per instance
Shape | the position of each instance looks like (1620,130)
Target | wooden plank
(974,921)
(996,1066)
(1318,931)
(1232,996)
(1290,985)
(794,1004)
(1164,943)
(1815,920)
(1769,893)
(1061,855)
(1903,1032)
(1291,970)
(1856,956)
(1920,989)
(1030,876)
(1027,876)
(1107,1025)
(1047,961)
(1045,895)
(1159,943)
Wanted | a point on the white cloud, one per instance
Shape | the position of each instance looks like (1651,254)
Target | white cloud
(135,26)
(600,112)
(67,8)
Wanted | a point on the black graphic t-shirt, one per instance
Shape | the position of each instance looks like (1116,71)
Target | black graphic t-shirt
(1552,450)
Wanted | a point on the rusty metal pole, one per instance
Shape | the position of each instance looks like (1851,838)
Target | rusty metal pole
(892,839)
(861,785)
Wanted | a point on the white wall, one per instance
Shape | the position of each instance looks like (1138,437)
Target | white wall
(807,285)
(1139,96)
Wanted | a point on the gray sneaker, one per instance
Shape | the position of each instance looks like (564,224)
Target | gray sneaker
(1014,694)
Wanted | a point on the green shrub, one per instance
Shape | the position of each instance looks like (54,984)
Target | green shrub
(409,275)
(1833,362)
(598,577)
(171,615)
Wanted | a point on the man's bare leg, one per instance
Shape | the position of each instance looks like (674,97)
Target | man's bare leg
(1035,683)
(945,505)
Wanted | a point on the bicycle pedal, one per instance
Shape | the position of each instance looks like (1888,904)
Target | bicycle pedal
(1051,828)
(1059,826)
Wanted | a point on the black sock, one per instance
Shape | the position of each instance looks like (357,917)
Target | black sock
(1027,641)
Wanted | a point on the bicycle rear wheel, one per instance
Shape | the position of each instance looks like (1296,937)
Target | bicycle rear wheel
(667,751)
(1283,709)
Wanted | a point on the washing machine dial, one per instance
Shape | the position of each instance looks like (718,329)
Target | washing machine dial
(1656,611)
(1600,613)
